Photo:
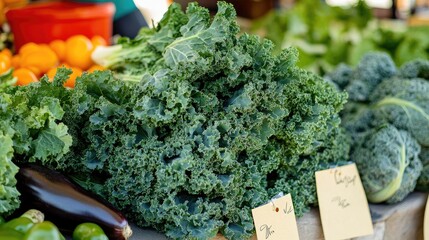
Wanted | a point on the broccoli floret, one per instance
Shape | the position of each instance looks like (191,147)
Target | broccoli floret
(357,119)
(404,103)
(372,69)
(358,91)
(415,69)
(388,163)
(341,76)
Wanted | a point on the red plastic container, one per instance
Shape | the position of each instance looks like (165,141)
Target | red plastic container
(45,22)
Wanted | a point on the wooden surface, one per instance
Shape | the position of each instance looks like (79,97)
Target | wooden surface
(402,221)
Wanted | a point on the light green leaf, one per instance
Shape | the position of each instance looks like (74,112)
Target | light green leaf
(54,141)
(8,194)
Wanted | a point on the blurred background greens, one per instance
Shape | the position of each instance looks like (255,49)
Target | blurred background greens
(328,35)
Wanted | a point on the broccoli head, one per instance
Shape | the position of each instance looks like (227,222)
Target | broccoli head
(415,69)
(341,76)
(389,164)
(360,82)
(357,119)
(372,69)
(387,109)
(405,104)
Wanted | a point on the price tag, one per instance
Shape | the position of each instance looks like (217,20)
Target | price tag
(426,222)
(276,220)
(343,205)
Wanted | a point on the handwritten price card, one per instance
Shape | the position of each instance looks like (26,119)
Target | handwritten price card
(342,202)
(276,220)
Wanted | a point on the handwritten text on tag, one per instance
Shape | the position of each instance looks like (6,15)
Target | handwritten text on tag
(276,220)
(343,205)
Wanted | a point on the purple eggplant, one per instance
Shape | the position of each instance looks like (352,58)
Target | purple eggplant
(66,203)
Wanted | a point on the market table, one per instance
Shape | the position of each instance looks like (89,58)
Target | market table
(403,221)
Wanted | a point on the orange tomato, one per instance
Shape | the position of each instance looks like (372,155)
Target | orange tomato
(98,41)
(51,73)
(8,52)
(59,47)
(16,61)
(78,52)
(24,76)
(72,78)
(5,63)
(28,48)
(96,68)
(43,59)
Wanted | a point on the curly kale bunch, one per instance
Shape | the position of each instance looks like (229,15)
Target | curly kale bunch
(215,126)
(382,95)
(194,127)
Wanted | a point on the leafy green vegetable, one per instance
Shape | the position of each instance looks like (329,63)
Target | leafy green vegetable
(215,126)
(418,68)
(303,26)
(131,58)
(6,79)
(387,118)
(352,33)
(361,81)
(372,69)
(9,197)
(388,163)
(404,103)
(30,130)
(414,45)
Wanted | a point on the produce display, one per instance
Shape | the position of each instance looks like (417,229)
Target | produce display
(192,124)
(352,32)
(387,117)
(216,126)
